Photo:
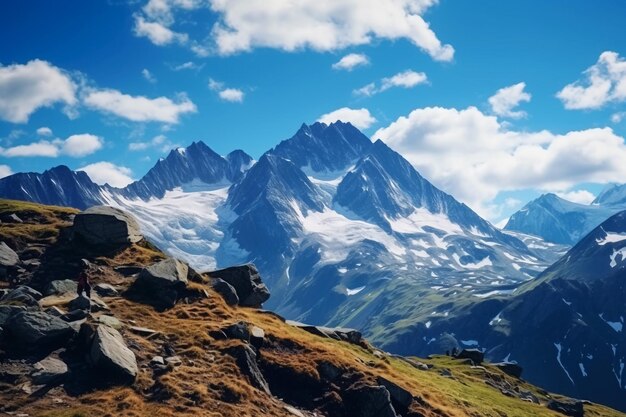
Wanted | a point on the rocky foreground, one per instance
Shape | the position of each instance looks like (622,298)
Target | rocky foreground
(159,338)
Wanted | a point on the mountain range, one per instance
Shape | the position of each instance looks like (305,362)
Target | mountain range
(347,233)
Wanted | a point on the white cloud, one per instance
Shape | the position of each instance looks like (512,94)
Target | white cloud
(505,100)
(232,95)
(604,82)
(107,173)
(351,61)
(5,171)
(578,196)
(405,79)
(148,76)
(360,118)
(44,131)
(157,33)
(81,145)
(26,88)
(227,94)
(323,25)
(474,156)
(75,146)
(42,148)
(618,117)
(159,141)
(139,108)
(189,65)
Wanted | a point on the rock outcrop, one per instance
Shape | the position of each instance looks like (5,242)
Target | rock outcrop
(369,401)
(227,291)
(59,287)
(8,259)
(108,226)
(246,281)
(37,331)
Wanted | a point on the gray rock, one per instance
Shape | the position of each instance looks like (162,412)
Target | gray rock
(59,287)
(337,333)
(368,401)
(573,408)
(105,290)
(110,321)
(162,283)
(510,368)
(157,360)
(8,257)
(10,218)
(6,311)
(227,291)
(128,270)
(80,303)
(247,282)
(50,371)
(112,357)
(400,398)
(246,361)
(74,315)
(239,330)
(104,225)
(54,311)
(174,360)
(37,331)
(475,355)
(328,371)
(257,336)
(22,295)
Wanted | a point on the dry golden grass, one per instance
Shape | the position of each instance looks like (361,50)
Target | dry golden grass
(209,383)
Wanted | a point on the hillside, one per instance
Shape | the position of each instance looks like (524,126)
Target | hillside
(306,374)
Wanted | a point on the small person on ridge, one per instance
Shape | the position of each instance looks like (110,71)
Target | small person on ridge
(83,279)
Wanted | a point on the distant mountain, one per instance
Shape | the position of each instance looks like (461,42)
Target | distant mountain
(613,195)
(560,221)
(57,186)
(566,327)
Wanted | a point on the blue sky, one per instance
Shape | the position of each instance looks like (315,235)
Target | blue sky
(117,84)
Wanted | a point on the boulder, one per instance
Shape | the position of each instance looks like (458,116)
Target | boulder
(105,290)
(112,357)
(22,295)
(246,361)
(6,311)
(110,321)
(74,315)
(400,398)
(161,284)
(8,259)
(572,408)
(239,330)
(510,368)
(475,355)
(37,331)
(337,333)
(227,291)
(257,336)
(109,226)
(329,371)
(246,281)
(80,303)
(59,287)
(50,371)
(368,401)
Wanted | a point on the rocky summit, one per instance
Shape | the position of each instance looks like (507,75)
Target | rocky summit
(168,340)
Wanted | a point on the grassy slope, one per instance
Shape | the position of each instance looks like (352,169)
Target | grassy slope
(195,388)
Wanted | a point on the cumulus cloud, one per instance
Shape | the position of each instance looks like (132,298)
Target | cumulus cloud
(139,108)
(107,173)
(602,83)
(24,88)
(618,117)
(81,145)
(578,196)
(360,118)
(75,146)
(189,65)
(351,61)
(321,25)
(44,131)
(157,33)
(405,79)
(233,95)
(148,76)
(505,100)
(474,156)
(5,171)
